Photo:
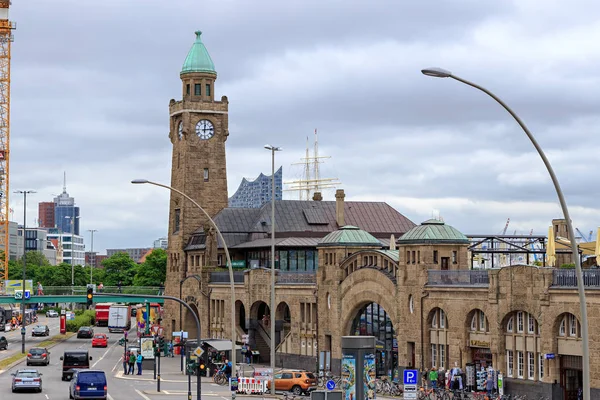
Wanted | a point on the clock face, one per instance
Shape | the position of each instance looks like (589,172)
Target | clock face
(205,129)
(180,130)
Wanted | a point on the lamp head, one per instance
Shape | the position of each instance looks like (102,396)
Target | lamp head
(272,148)
(436,72)
(139,181)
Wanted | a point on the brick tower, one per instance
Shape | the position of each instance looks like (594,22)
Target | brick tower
(198,131)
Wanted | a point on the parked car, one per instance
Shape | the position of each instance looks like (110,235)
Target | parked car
(88,383)
(296,381)
(25,379)
(85,332)
(100,340)
(40,330)
(72,360)
(38,355)
(52,314)
(3,343)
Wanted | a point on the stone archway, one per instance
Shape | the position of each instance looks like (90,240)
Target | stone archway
(371,319)
(259,329)
(283,324)
(259,309)
(240,315)
(190,322)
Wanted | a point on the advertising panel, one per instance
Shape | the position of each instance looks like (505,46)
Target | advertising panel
(369,376)
(349,376)
(16,284)
(147,347)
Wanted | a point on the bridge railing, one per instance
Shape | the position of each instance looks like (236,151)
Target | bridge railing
(79,290)
(472,278)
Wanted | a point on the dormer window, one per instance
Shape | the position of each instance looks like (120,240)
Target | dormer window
(197,89)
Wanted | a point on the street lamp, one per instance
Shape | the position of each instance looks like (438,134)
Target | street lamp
(233,332)
(24,192)
(196,277)
(92,265)
(273,149)
(442,73)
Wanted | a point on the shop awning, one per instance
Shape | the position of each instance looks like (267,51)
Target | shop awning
(221,345)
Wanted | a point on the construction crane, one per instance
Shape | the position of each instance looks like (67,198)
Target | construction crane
(6,39)
(506,227)
(584,237)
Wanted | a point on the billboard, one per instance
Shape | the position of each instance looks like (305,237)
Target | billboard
(15,284)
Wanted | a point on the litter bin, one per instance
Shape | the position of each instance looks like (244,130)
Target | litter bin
(326,395)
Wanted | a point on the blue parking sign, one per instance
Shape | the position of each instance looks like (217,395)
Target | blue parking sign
(411,376)
(27,294)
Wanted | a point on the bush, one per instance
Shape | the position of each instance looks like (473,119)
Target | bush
(85,318)
(567,266)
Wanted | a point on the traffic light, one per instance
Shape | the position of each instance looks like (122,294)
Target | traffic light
(90,296)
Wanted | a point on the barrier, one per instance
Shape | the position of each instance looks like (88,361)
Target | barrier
(251,385)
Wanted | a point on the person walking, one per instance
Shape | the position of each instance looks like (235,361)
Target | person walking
(119,287)
(131,363)
(40,289)
(489,384)
(139,363)
(433,377)
(125,360)
(100,287)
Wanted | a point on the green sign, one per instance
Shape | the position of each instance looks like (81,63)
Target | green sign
(238,264)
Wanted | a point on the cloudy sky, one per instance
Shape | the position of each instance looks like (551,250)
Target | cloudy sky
(91,83)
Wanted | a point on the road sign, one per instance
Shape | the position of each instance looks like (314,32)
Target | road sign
(27,294)
(18,294)
(410,392)
(23,331)
(330,384)
(198,352)
(411,376)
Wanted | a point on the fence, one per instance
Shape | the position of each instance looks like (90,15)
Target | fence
(223,277)
(296,277)
(568,278)
(476,278)
(79,290)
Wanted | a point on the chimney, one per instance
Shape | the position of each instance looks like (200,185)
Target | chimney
(339,207)
(317,196)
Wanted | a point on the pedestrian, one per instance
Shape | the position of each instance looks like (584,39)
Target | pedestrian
(248,355)
(171,349)
(424,379)
(489,385)
(125,359)
(433,377)
(227,368)
(119,287)
(139,363)
(100,287)
(40,289)
(131,363)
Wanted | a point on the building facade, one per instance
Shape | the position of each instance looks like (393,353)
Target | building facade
(46,214)
(134,253)
(253,194)
(356,268)
(161,243)
(70,248)
(36,239)
(66,214)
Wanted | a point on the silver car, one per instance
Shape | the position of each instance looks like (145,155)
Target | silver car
(27,379)
(51,314)
(38,355)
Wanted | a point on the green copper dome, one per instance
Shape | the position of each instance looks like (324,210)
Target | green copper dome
(433,231)
(198,59)
(349,236)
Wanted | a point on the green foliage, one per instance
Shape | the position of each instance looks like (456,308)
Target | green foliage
(85,318)
(153,271)
(567,266)
(119,267)
(537,263)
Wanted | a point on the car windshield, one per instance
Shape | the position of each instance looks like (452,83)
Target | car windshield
(92,377)
(84,328)
(99,337)
(27,374)
(75,358)
(37,351)
(40,327)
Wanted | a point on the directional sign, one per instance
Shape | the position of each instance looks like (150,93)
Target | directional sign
(411,376)
(27,294)
(330,384)
(410,392)
(198,352)
(18,294)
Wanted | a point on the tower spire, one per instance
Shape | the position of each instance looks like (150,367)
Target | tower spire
(65,182)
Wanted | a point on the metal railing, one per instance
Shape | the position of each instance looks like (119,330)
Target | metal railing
(80,290)
(223,277)
(568,278)
(296,277)
(471,278)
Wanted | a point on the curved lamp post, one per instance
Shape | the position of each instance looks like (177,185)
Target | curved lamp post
(233,332)
(442,73)
(181,282)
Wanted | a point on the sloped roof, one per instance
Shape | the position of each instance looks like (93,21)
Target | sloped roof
(198,59)
(433,231)
(349,236)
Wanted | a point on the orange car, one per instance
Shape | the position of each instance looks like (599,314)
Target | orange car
(295,381)
(100,340)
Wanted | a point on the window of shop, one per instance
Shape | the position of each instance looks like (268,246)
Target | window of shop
(541,366)
(439,324)
(530,365)
(519,364)
(442,355)
(509,362)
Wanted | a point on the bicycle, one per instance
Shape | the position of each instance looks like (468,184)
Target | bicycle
(220,378)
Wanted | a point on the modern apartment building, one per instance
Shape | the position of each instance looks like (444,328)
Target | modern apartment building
(73,248)
(36,239)
(135,253)
(161,243)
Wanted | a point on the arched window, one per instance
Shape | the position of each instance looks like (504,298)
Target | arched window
(523,360)
(479,322)
(438,334)
(569,326)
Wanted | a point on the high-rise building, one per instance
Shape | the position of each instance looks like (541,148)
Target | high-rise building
(72,246)
(46,214)
(253,194)
(161,243)
(66,214)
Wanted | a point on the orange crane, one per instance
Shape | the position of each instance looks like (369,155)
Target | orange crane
(6,39)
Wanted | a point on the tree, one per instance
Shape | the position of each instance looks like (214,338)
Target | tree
(119,267)
(153,271)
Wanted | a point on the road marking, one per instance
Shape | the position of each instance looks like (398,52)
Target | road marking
(143,395)
(47,397)
(103,355)
(109,397)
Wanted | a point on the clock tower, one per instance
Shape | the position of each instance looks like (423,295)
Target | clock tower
(198,131)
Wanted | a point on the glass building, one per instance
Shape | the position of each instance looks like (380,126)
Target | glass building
(65,212)
(253,194)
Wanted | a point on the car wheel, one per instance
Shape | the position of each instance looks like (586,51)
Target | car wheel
(70,395)
(28,364)
(14,390)
(297,390)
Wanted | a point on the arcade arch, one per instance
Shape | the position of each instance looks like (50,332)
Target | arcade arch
(567,330)
(479,339)
(240,315)
(437,323)
(190,321)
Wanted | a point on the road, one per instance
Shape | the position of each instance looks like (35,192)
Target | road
(173,385)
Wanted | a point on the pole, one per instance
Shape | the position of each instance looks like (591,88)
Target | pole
(92,265)
(229,266)
(24,270)
(147,327)
(158,376)
(273,305)
(181,319)
(189,385)
(574,248)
